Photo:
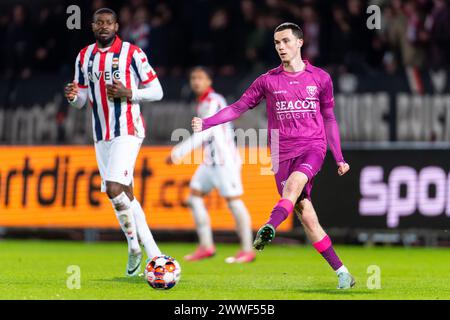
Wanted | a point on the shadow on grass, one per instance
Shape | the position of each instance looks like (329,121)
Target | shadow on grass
(337,292)
(131,280)
(329,291)
(135,280)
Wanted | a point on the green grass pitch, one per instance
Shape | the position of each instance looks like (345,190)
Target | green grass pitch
(38,270)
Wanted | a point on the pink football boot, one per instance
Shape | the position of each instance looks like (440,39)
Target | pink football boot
(200,254)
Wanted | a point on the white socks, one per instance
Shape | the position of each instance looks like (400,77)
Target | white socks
(143,231)
(201,220)
(342,269)
(121,205)
(243,223)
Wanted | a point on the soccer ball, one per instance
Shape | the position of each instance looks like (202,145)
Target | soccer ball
(162,272)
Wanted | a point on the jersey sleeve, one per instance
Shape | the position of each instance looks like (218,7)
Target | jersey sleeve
(80,77)
(250,99)
(142,67)
(253,95)
(188,145)
(326,93)
(213,107)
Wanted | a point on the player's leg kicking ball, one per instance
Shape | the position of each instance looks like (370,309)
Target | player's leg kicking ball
(294,182)
(264,236)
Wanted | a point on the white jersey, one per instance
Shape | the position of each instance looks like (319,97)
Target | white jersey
(218,142)
(95,68)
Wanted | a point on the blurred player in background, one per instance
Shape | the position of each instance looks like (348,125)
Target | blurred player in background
(301,120)
(220,169)
(116,76)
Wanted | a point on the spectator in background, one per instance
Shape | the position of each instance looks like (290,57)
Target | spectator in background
(19,43)
(414,55)
(414,33)
(222,43)
(97,4)
(391,56)
(437,25)
(161,31)
(269,56)
(196,14)
(140,30)
(246,23)
(340,37)
(257,43)
(126,20)
(136,4)
(46,39)
(311,29)
(360,37)
(4,21)
(402,33)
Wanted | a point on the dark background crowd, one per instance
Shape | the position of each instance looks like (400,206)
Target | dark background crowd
(231,37)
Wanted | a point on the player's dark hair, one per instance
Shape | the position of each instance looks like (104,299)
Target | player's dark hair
(204,69)
(105,10)
(296,30)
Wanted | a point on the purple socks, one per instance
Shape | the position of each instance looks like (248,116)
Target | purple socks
(325,248)
(280,212)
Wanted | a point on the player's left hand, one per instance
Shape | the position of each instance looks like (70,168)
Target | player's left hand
(343,168)
(118,90)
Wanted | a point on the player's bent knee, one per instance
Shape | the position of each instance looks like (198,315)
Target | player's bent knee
(298,209)
(192,198)
(231,199)
(197,193)
(295,185)
(121,202)
(308,214)
(113,189)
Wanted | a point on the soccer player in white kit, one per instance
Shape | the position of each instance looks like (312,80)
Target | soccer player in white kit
(221,169)
(115,76)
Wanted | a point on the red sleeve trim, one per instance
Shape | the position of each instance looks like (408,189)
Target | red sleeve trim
(151,77)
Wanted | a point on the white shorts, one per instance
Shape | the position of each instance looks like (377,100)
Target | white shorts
(116,159)
(227,180)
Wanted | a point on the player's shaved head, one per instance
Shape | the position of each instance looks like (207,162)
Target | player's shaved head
(103,11)
(296,30)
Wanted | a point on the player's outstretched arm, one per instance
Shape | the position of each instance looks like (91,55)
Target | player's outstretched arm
(251,98)
(227,114)
(197,124)
(186,146)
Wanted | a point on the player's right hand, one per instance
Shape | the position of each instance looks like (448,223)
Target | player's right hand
(197,124)
(71,90)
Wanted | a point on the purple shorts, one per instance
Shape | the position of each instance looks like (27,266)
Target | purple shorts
(309,163)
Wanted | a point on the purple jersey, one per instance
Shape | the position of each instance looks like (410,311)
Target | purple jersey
(299,107)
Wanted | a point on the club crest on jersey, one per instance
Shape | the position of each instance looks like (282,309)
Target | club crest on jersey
(115,62)
(312,91)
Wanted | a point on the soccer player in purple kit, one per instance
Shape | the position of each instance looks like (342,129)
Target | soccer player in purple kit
(299,106)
